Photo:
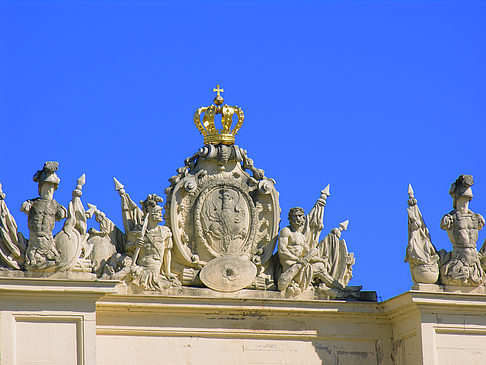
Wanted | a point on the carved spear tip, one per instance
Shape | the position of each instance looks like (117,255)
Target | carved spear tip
(410,190)
(344,225)
(91,210)
(325,192)
(82,180)
(118,185)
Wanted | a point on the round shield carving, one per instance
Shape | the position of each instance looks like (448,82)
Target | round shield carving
(228,273)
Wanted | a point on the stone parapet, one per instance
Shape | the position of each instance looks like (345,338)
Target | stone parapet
(49,321)
(438,325)
(202,327)
(67,320)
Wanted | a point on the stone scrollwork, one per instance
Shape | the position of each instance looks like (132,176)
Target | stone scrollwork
(216,209)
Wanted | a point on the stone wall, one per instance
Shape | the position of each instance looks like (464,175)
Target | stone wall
(65,321)
(215,330)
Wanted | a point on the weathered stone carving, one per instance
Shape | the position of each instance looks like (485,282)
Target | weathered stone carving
(224,221)
(72,240)
(43,212)
(145,258)
(221,228)
(69,249)
(326,265)
(216,209)
(12,242)
(464,265)
(339,261)
(105,242)
(421,253)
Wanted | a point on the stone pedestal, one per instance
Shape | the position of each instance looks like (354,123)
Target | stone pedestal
(49,321)
(438,325)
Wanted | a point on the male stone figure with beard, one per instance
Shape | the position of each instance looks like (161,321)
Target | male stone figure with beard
(301,263)
(151,249)
(43,213)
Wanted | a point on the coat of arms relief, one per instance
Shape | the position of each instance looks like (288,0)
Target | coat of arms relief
(219,215)
(221,229)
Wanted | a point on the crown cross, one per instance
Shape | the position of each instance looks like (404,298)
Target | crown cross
(218,90)
(211,134)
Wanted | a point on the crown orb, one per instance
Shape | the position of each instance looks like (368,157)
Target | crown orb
(218,100)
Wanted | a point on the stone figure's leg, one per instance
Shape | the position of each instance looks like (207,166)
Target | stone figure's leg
(321,274)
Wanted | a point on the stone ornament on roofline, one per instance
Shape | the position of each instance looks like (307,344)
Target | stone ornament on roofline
(464,265)
(222,217)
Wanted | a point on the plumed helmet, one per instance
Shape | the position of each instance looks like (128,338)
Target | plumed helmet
(48,174)
(461,187)
(151,201)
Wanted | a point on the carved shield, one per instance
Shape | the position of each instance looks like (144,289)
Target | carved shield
(228,273)
(224,218)
(217,209)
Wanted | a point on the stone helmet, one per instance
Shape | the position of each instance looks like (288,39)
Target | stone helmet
(151,201)
(48,174)
(461,187)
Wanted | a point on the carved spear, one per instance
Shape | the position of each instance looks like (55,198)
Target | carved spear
(144,229)
(343,226)
(91,210)
(317,216)
(119,187)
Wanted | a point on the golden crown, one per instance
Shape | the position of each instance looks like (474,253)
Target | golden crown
(208,128)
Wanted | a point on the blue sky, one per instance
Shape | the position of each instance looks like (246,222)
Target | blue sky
(365,95)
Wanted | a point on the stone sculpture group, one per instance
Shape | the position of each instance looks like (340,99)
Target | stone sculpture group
(221,231)
(464,265)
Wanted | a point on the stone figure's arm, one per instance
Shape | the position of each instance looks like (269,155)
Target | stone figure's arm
(283,241)
(61,212)
(446,222)
(480,221)
(316,258)
(26,205)
(133,239)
